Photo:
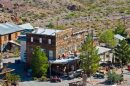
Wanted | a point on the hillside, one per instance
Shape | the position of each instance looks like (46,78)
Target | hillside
(61,14)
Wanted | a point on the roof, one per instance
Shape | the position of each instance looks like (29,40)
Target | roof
(117,36)
(27,26)
(13,42)
(102,50)
(6,28)
(44,31)
(62,61)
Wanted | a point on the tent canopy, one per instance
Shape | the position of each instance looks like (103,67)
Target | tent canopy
(102,50)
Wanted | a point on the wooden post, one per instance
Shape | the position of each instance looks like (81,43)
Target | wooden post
(84,77)
(50,69)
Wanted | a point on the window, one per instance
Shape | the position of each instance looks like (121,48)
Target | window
(31,39)
(50,54)
(49,41)
(40,40)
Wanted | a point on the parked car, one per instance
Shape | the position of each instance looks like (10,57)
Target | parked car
(99,75)
(78,73)
(75,74)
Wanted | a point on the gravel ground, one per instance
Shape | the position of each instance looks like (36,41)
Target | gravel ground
(26,81)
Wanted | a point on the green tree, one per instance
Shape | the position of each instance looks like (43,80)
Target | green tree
(120,29)
(122,52)
(89,58)
(108,38)
(39,63)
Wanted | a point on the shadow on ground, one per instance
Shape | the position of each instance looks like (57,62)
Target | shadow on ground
(19,70)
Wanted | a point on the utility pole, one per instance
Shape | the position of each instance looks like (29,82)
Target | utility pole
(50,69)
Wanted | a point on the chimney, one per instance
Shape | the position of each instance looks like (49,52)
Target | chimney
(36,29)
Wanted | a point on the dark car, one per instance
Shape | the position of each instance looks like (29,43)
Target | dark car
(74,74)
(77,73)
(99,75)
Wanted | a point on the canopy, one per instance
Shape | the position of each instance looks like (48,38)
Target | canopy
(62,61)
(102,50)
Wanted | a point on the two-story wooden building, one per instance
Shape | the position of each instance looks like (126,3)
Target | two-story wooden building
(61,47)
(56,43)
(8,32)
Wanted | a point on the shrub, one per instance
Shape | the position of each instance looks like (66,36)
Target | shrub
(71,15)
(35,78)
(50,25)
(113,77)
(43,78)
(12,78)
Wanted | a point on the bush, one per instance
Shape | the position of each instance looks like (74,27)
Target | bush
(50,25)
(35,78)
(43,78)
(12,78)
(71,15)
(114,78)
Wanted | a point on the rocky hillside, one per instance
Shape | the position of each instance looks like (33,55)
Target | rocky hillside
(61,14)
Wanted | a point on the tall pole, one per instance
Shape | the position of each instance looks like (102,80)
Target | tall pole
(50,69)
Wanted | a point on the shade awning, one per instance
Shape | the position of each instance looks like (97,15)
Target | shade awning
(62,61)
(102,50)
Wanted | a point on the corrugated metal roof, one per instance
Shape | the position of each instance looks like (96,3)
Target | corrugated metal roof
(117,36)
(6,28)
(46,31)
(27,26)
(102,50)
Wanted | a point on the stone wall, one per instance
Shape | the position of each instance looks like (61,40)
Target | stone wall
(69,41)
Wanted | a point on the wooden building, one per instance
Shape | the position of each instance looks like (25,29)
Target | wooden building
(57,44)
(8,32)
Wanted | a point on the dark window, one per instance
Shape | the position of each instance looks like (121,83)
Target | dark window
(44,41)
